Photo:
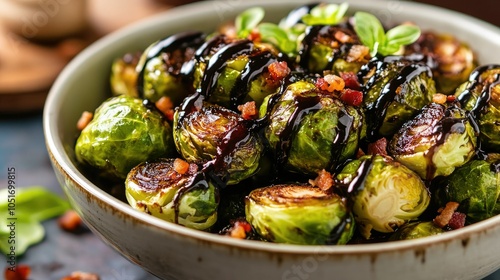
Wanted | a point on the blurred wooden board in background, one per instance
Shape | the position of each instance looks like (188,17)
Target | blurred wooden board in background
(28,68)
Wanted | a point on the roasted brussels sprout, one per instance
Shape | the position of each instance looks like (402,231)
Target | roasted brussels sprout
(385,194)
(299,214)
(214,133)
(123,133)
(416,230)
(159,69)
(231,72)
(435,142)
(332,48)
(310,130)
(395,90)
(481,96)
(451,60)
(174,191)
(123,78)
(475,186)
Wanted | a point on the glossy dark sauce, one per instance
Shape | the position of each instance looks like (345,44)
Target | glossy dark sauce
(169,44)
(475,81)
(303,106)
(389,93)
(311,36)
(257,64)
(445,127)
(343,131)
(358,182)
(338,230)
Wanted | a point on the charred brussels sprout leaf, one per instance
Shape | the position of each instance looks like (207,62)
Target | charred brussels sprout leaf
(299,214)
(332,48)
(395,90)
(185,198)
(122,134)
(475,186)
(203,136)
(159,69)
(385,194)
(310,131)
(481,97)
(416,230)
(439,139)
(231,72)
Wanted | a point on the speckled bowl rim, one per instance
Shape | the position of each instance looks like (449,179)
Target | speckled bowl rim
(58,154)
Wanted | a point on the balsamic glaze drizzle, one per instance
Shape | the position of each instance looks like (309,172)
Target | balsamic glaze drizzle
(311,35)
(378,110)
(475,82)
(448,125)
(169,44)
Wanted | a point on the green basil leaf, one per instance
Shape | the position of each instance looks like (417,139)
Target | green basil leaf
(389,49)
(326,14)
(403,35)
(21,214)
(36,202)
(272,33)
(248,20)
(369,30)
(16,238)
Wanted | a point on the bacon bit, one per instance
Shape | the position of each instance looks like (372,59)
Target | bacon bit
(240,229)
(254,36)
(379,147)
(350,80)
(181,166)
(19,272)
(84,120)
(445,214)
(278,70)
(342,37)
(324,180)
(330,83)
(457,220)
(70,221)
(352,97)
(358,53)
(165,105)
(439,98)
(248,110)
(450,98)
(78,275)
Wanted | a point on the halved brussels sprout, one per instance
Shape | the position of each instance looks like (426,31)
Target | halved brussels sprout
(416,230)
(310,130)
(481,96)
(299,214)
(475,186)
(395,90)
(231,72)
(123,79)
(122,134)
(332,48)
(451,60)
(214,133)
(159,69)
(385,194)
(185,196)
(435,142)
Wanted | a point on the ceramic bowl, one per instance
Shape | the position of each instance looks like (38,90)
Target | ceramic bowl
(174,252)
